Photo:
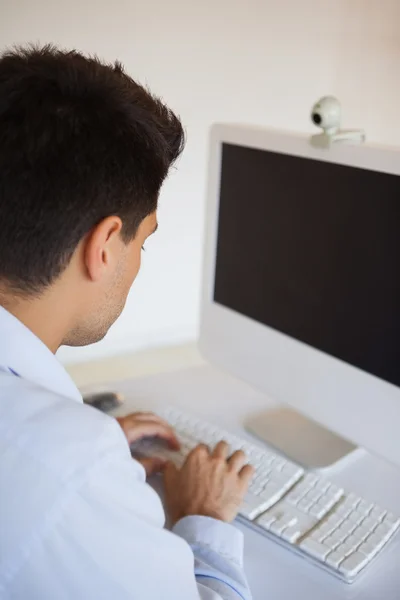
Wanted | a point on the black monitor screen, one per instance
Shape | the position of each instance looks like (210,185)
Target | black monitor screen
(312,249)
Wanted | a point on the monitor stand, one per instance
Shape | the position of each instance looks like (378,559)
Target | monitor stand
(298,438)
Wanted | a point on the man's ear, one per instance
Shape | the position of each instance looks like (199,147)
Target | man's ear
(101,247)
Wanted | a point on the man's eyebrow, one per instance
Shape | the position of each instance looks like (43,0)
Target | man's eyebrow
(155,229)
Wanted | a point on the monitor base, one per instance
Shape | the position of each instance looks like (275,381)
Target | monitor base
(298,438)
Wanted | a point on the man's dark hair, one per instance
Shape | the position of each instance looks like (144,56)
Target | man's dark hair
(79,141)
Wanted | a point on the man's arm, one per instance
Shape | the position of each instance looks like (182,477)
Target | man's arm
(105,539)
(211,484)
(202,498)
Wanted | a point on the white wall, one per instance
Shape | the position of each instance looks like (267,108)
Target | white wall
(259,61)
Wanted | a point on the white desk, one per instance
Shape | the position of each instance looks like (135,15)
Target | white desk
(273,572)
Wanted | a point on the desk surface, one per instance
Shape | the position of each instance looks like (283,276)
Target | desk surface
(273,572)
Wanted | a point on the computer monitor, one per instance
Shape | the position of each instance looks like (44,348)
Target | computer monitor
(301,287)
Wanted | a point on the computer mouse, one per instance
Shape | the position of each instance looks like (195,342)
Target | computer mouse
(104,401)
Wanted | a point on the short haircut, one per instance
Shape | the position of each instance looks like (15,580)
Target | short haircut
(80,140)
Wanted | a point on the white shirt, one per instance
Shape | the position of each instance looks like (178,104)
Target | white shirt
(77,518)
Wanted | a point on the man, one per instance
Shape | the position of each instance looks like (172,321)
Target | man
(84,151)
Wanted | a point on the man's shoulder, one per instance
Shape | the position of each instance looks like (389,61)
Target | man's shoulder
(63,435)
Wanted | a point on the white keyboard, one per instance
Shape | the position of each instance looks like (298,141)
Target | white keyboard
(337,530)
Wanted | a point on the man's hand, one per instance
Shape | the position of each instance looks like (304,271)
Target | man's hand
(146,424)
(208,484)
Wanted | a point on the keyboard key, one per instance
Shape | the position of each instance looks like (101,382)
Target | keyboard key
(334,559)
(343,511)
(256,489)
(332,542)
(271,493)
(352,499)
(315,548)
(369,524)
(391,520)
(322,532)
(294,497)
(344,530)
(353,539)
(304,486)
(368,549)
(375,540)
(266,520)
(304,505)
(359,534)
(279,479)
(292,534)
(335,494)
(319,510)
(347,548)
(252,506)
(378,513)
(312,495)
(322,485)
(355,516)
(383,531)
(311,479)
(292,470)
(259,484)
(334,521)
(353,564)
(279,464)
(279,525)
(365,507)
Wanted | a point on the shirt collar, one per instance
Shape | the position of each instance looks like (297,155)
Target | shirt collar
(24,354)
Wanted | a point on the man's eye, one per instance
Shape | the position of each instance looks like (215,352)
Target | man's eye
(144,249)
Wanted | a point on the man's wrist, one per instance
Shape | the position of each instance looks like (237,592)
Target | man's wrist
(196,513)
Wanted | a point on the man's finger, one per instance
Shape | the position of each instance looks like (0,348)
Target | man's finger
(201,449)
(221,450)
(152,465)
(247,473)
(237,461)
(142,413)
(140,429)
(130,422)
(147,416)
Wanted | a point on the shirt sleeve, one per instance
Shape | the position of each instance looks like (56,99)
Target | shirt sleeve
(218,552)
